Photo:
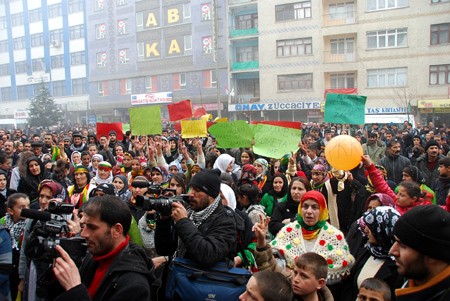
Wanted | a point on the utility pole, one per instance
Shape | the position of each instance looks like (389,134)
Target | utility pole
(215,42)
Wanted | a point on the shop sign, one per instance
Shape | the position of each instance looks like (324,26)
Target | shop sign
(21,114)
(314,113)
(208,106)
(275,106)
(77,106)
(434,103)
(151,98)
(386,110)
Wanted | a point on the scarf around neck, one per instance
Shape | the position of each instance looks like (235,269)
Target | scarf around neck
(80,148)
(15,230)
(198,217)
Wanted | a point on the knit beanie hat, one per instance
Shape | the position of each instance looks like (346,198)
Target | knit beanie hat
(108,189)
(431,143)
(426,229)
(105,166)
(208,181)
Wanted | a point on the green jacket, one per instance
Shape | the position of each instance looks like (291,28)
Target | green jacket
(267,201)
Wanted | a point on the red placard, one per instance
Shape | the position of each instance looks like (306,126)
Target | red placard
(105,128)
(199,112)
(285,124)
(340,91)
(180,110)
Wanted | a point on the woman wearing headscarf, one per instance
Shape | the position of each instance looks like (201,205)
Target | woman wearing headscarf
(104,174)
(277,194)
(75,158)
(79,192)
(20,171)
(247,196)
(263,175)
(95,161)
(319,176)
(160,176)
(228,196)
(121,183)
(225,164)
(309,233)
(413,174)
(374,261)
(36,173)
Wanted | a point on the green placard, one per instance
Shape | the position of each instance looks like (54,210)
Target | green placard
(232,134)
(275,141)
(344,108)
(146,120)
(125,128)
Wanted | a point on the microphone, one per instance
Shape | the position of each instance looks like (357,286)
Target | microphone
(35,214)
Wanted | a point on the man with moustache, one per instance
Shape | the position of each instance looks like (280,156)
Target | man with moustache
(428,162)
(394,162)
(422,254)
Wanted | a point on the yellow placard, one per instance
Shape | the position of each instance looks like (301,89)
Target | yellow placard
(206,117)
(218,120)
(193,128)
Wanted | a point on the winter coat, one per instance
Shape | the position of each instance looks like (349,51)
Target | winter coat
(128,277)
(213,241)
(429,175)
(394,167)
(282,211)
(375,154)
(441,192)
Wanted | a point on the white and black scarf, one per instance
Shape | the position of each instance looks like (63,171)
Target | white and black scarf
(199,217)
(79,148)
(15,230)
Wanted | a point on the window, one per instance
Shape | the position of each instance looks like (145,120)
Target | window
(440,75)
(187,45)
(390,77)
(78,86)
(101,59)
(36,88)
(186,12)
(139,21)
(38,64)
(148,84)
(293,11)
(5,69)
(387,38)
(125,86)
(102,89)
(54,10)
(56,35)
(17,19)
(247,54)
(248,86)
(179,81)
(77,58)
(294,47)
(4,46)
(123,26)
(291,82)
(75,6)
(57,61)
(100,31)
(99,5)
(440,34)
(342,81)
(3,23)
(342,46)
(140,50)
(385,4)
(19,43)
(123,56)
(344,10)
(37,39)
(6,94)
(122,2)
(22,92)
(76,31)
(21,67)
(35,15)
(209,79)
(247,21)
(59,88)
(439,1)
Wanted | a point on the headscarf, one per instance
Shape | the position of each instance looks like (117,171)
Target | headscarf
(384,199)
(248,175)
(285,188)
(175,150)
(229,195)
(284,163)
(264,165)
(107,188)
(196,168)
(104,165)
(82,190)
(319,168)
(383,172)
(177,165)
(416,175)
(381,221)
(222,162)
(311,232)
(96,156)
(124,193)
(163,171)
(71,157)
(33,181)
(58,191)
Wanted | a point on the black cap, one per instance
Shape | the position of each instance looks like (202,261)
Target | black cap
(208,181)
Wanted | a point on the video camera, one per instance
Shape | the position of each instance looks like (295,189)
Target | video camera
(159,200)
(48,233)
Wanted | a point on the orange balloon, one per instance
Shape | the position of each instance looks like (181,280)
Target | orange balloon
(344,152)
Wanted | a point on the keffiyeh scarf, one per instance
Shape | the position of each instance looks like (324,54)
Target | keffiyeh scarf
(15,230)
(199,217)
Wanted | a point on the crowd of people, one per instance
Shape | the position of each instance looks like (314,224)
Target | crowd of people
(304,229)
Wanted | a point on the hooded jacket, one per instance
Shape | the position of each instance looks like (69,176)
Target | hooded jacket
(429,175)
(128,277)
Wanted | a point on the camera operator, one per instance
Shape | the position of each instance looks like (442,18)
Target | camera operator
(114,268)
(29,270)
(206,230)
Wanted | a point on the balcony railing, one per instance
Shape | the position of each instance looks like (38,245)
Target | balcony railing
(340,56)
(343,18)
(233,2)
(244,98)
(234,32)
(235,66)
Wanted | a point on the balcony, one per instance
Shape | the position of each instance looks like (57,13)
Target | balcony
(234,32)
(339,56)
(342,18)
(245,98)
(237,66)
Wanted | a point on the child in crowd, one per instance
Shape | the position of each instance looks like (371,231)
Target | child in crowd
(374,289)
(267,286)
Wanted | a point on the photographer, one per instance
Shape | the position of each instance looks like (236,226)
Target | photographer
(206,229)
(114,268)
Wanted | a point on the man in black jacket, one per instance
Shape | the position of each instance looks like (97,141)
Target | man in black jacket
(206,230)
(394,162)
(114,268)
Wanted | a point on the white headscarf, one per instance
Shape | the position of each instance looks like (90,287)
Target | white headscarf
(228,193)
(222,162)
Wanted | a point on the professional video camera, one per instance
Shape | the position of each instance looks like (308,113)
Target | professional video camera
(159,199)
(49,232)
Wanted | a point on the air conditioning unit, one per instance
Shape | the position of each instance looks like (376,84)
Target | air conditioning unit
(56,43)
